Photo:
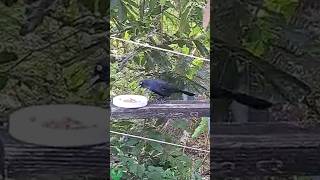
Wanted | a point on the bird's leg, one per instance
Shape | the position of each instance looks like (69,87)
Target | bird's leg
(160,100)
(156,99)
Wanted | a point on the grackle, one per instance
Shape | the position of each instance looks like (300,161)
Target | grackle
(101,73)
(256,103)
(162,88)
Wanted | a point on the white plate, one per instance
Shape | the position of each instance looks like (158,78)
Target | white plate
(35,125)
(130,101)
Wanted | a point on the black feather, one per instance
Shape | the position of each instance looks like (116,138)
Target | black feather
(162,88)
(254,102)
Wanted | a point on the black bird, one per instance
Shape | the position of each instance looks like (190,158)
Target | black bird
(101,72)
(256,103)
(162,88)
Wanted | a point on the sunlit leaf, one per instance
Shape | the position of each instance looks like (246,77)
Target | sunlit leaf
(162,2)
(203,126)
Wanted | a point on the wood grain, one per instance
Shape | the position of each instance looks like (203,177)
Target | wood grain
(172,109)
(259,149)
(24,159)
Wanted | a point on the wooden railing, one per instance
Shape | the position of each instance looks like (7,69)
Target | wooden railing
(250,149)
(19,159)
(237,150)
(171,109)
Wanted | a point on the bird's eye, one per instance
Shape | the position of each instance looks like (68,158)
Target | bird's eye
(99,68)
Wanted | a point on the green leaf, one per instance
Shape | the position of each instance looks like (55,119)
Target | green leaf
(169,174)
(75,76)
(116,174)
(133,168)
(197,164)
(132,141)
(157,146)
(195,31)
(184,159)
(176,152)
(202,49)
(185,49)
(163,2)
(203,126)
(184,27)
(114,4)
(141,170)
(154,175)
(121,11)
(155,57)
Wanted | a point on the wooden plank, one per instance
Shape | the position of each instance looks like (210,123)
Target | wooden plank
(258,149)
(24,159)
(256,128)
(172,109)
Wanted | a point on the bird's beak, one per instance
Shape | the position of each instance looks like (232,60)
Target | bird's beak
(94,80)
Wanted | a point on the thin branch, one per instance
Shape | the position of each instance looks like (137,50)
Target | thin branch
(158,141)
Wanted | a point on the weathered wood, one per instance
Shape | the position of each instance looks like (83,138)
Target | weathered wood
(257,149)
(27,160)
(172,109)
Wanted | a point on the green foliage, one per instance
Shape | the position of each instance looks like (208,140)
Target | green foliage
(203,126)
(168,24)
(267,61)
(54,63)
(116,173)
(172,25)
(150,160)
(261,31)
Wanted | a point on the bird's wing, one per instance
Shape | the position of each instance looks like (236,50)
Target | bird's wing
(168,88)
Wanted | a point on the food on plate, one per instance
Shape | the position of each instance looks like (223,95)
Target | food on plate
(130,100)
(66,123)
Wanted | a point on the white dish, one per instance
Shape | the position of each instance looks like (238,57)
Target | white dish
(60,125)
(130,101)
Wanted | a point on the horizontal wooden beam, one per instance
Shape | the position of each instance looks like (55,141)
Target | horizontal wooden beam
(171,109)
(258,149)
(19,159)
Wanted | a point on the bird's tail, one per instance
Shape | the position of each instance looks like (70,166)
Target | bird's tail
(251,101)
(187,93)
